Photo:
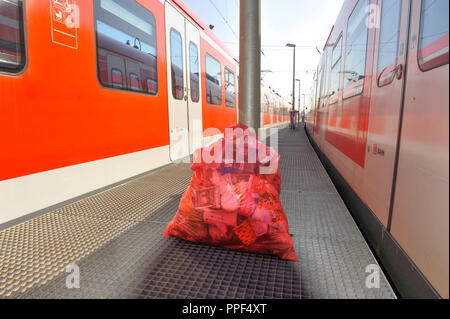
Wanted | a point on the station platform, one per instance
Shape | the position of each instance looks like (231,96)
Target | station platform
(115,237)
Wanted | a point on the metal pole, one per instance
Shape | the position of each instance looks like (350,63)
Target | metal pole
(293,86)
(304,107)
(299,88)
(250,64)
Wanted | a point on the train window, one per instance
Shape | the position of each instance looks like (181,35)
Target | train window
(134,82)
(194,70)
(213,72)
(177,70)
(388,43)
(326,75)
(356,49)
(337,52)
(266,104)
(116,78)
(126,36)
(434,34)
(319,83)
(336,67)
(322,79)
(230,90)
(12,36)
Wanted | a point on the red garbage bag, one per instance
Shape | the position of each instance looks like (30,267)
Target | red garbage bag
(233,199)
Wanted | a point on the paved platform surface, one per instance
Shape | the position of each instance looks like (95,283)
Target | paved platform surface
(115,237)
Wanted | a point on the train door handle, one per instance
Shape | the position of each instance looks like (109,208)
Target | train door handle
(387,76)
(399,71)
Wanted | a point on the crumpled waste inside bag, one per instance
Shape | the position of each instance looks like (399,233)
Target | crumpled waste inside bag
(233,200)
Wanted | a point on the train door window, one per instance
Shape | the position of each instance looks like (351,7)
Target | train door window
(388,42)
(230,91)
(127,30)
(177,68)
(213,72)
(434,34)
(336,67)
(116,78)
(194,72)
(12,36)
(356,49)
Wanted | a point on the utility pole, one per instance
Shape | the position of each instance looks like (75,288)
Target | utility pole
(290,45)
(250,63)
(299,90)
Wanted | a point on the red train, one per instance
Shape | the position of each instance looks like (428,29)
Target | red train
(95,92)
(274,109)
(381,123)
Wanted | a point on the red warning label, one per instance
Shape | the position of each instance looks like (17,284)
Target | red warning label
(65,17)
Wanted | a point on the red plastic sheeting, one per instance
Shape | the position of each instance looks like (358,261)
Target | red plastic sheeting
(233,199)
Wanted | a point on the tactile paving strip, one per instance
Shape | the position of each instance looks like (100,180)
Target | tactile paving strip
(115,237)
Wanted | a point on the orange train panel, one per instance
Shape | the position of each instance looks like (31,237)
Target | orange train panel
(56,113)
(216,116)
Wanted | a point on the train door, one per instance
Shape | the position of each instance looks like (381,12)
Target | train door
(386,104)
(184,96)
(194,86)
(420,212)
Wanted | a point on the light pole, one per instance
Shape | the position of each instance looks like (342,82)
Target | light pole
(304,100)
(299,90)
(290,45)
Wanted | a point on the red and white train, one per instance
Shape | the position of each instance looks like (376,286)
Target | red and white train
(95,92)
(274,109)
(381,122)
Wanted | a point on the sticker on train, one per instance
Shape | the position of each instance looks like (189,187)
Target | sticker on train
(65,20)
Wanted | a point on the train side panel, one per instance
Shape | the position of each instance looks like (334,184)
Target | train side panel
(62,129)
(390,141)
(90,107)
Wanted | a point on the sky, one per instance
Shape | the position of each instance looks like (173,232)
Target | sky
(306,23)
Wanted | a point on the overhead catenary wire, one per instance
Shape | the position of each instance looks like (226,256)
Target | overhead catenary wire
(228,25)
(224,19)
